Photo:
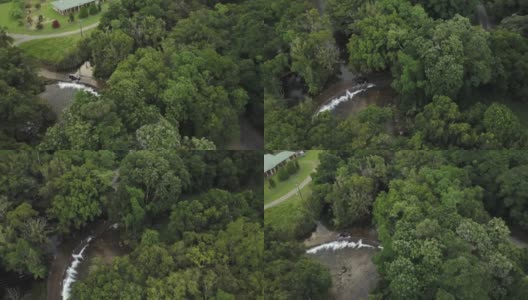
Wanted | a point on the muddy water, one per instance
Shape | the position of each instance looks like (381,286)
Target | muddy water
(354,275)
(104,243)
(59,95)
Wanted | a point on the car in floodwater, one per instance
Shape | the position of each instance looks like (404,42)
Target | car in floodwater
(343,236)
(74,77)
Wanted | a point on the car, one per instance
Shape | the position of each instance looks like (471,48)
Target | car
(74,77)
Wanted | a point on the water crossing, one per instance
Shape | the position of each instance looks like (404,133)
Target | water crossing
(343,244)
(71,272)
(77,86)
(332,104)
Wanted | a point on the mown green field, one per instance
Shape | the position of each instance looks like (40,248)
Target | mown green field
(49,15)
(51,51)
(307,164)
(285,216)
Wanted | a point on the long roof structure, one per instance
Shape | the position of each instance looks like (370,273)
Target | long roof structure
(67,4)
(271,161)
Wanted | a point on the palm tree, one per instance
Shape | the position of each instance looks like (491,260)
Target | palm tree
(5,39)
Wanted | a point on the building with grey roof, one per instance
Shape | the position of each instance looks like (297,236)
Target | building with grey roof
(272,162)
(65,7)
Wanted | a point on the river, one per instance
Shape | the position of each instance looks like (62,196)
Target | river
(76,253)
(348,257)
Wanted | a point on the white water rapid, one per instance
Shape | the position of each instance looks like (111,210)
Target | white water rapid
(348,96)
(338,245)
(77,86)
(71,272)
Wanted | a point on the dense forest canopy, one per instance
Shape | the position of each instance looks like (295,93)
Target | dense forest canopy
(189,216)
(179,76)
(443,217)
(442,62)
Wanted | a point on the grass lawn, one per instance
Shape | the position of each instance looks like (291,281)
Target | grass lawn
(285,216)
(49,15)
(51,50)
(307,163)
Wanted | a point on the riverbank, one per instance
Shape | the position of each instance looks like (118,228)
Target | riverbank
(99,240)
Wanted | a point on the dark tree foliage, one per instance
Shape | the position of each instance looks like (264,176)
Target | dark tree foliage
(289,274)
(23,116)
(442,217)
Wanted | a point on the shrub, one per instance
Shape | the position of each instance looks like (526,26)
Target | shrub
(83,13)
(39,26)
(93,9)
(40,18)
(271,183)
(37,6)
(55,24)
(27,5)
(283,174)
(290,167)
(29,20)
(71,18)
(16,13)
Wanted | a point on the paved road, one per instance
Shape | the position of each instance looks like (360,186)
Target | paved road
(289,194)
(22,38)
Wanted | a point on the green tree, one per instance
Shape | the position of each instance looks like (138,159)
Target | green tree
(283,174)
(502,124)
(513,192)
(108,49)
(83,12)
(78,198)
(351,200)
(161,177)
(511,69)
(314,54)
(92,9)
(271,183)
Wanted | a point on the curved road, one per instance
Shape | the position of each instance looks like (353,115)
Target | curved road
(22,38)
(289,194)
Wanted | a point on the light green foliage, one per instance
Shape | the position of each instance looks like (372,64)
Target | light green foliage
(161,176)
(376,39)
(89,123)
(108,49)
(504,126)
(207,103)
(314,54)
(78,197)
(205,267)
(351,200)
(344,13)
(161,135)
(444,60)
